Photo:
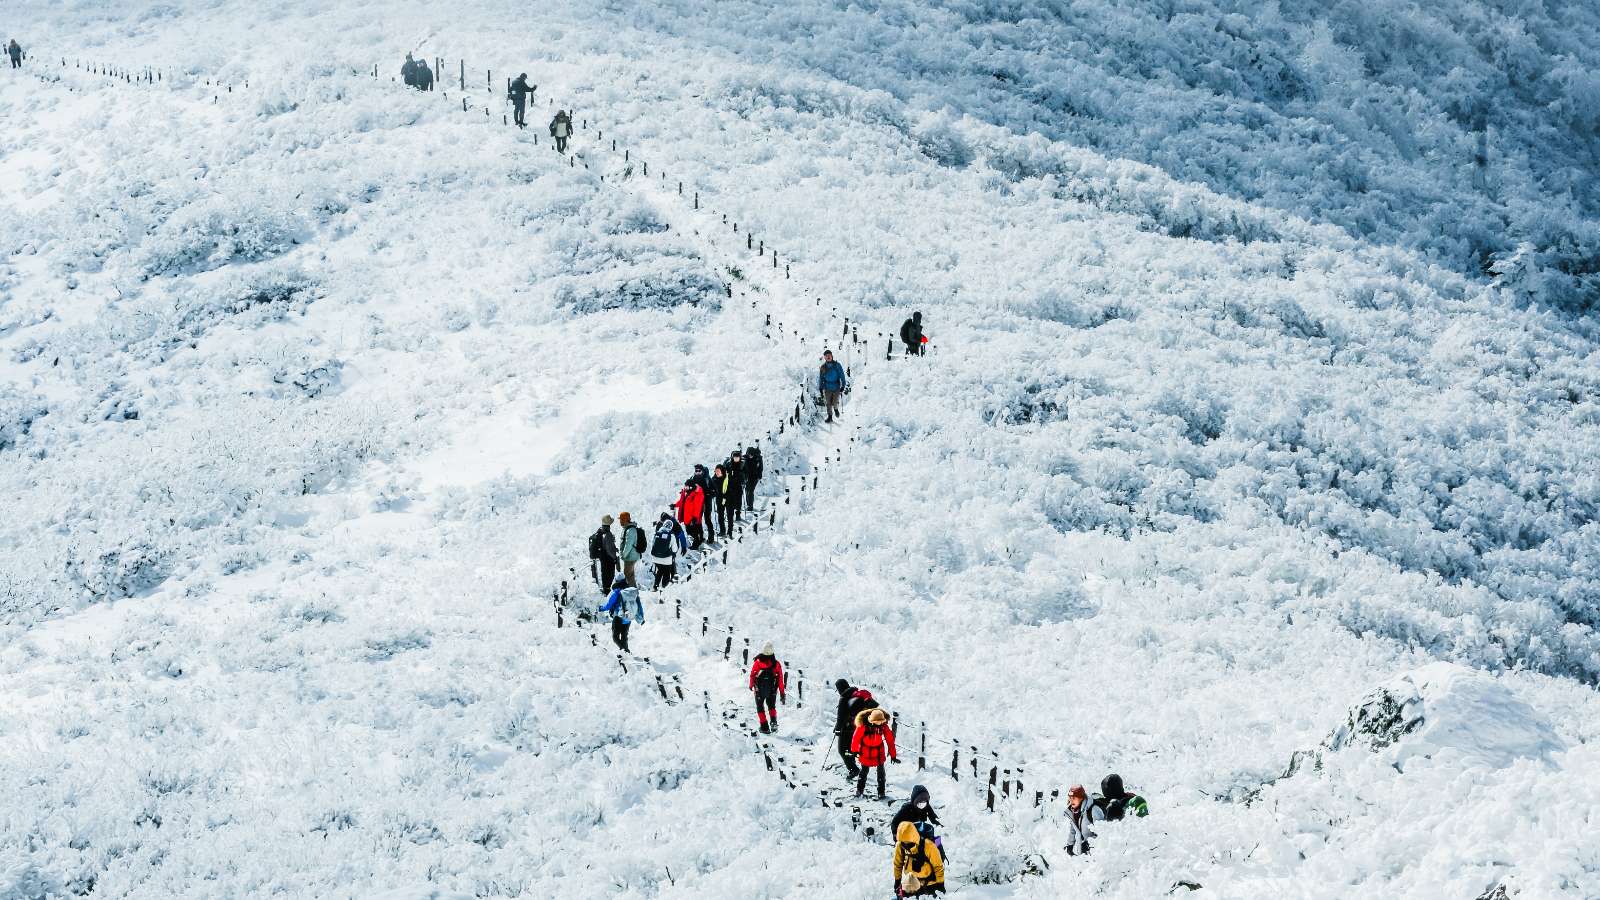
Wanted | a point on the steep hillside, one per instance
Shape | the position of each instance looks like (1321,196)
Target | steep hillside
(313,387)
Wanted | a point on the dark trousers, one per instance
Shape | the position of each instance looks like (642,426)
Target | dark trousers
(848,757)
(861,779)
(767,704)
(619,634)
(725,516)
(519,109)
(750,494)
(708,516)
(696,535)
(664,575)
(16,62)
(608,573)
(561,145)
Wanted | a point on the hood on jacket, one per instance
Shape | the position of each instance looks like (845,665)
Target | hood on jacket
(843,687)
(907,833)
(1111,787)
(919,794)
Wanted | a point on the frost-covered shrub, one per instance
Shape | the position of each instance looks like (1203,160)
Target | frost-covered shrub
(662,289)
(222,230)
(18,412)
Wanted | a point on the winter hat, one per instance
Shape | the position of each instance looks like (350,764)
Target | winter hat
(606,520)
(877,716)
(688,482)
(841,686)
(917,316)
(620,581)
(1111,786)
(766,649)
(1077,791)
(625,518)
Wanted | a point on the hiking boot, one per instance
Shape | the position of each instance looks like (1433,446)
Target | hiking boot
(765,729)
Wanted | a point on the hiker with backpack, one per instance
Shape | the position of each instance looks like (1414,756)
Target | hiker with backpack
(631,547)
(911,335)
(518,92)
(1080,815)
(561,129)
(852,702)
(424,76)
(625,608)
(767,682)
(1116,803)
(873,745)
(830,383)
(668,542)
(688,508)
(408,72)
(603,554)
(14,50)
(918,864)
(708,523)
(754,468)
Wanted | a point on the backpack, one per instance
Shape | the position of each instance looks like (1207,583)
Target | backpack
(632,607)
(597,545)
(767,678)
(638,539)
(662,548)
(1114,810)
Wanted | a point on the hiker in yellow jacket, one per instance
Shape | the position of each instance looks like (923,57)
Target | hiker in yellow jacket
(918,867)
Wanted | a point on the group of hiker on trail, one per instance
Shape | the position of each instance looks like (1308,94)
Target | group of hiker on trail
(707,506)
(518,93)
(865,738)
(417,73)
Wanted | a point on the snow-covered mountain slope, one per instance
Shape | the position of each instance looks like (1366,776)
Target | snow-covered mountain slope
(314,386)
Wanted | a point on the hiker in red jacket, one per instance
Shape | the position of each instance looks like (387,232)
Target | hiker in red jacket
(768,684)
(873,742)
(691,504)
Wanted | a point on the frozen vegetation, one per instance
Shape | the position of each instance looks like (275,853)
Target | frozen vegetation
(1254,458)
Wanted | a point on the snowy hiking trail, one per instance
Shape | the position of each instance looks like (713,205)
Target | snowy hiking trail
(817,455)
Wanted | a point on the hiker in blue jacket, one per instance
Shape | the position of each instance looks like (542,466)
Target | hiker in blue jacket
(830,380)
(624,606)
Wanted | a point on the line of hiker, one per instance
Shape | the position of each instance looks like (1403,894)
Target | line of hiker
(706,508)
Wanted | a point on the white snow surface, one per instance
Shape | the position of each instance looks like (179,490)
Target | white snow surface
(1246,404)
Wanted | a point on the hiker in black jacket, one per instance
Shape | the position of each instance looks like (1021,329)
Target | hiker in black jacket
(852,702)
(14,50)
(519,92)
(603,554)
(735,469)
(753,470)
(911,334)
(708,513)
(916,811)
